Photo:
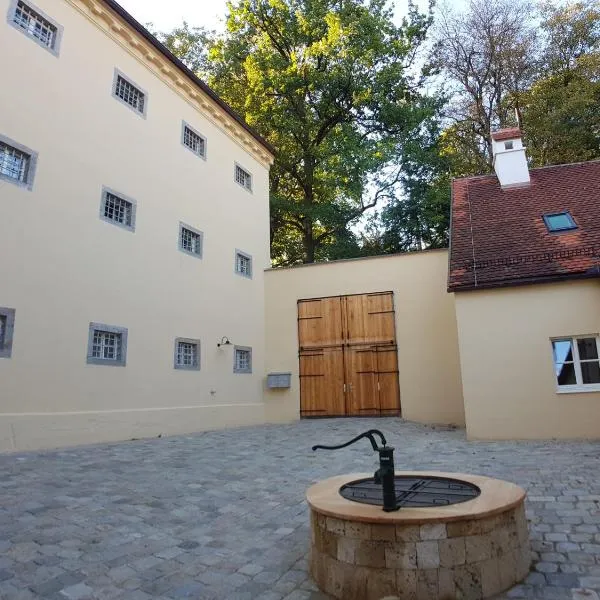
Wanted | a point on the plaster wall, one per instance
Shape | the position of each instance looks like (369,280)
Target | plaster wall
(509,384)
(430,386)
(63,267)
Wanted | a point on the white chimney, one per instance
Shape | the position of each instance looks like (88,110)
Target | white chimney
(510,161)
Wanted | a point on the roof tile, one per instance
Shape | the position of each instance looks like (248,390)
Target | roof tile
(499,237)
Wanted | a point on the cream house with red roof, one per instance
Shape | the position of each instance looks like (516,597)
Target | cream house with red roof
(524,265)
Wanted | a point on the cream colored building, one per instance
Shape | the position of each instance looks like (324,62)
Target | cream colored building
(136,297)
(97,179)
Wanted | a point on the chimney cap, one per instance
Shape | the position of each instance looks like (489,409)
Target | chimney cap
(510,133)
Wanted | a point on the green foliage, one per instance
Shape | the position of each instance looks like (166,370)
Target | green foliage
(328,83)
(190,45)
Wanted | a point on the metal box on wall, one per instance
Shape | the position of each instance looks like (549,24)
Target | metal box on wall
(279,380)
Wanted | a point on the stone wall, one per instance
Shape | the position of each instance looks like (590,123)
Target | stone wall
(467,559)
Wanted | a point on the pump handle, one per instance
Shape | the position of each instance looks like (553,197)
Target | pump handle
(367,434)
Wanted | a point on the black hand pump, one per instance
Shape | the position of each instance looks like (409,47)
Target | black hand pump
(385,474)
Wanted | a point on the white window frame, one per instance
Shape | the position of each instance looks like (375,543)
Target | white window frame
(94,360)
(237,349)
(249,258)
(579,386)
(132,83)
(54,49)
(199,233)
(182,367)
(32,157)
(250,185)
(105,192)
(184,126)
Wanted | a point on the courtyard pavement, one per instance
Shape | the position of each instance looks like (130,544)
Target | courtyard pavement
(221,515)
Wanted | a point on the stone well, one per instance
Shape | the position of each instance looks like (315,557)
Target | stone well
(468,551)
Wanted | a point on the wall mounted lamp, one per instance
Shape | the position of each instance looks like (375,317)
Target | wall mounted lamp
(224,342)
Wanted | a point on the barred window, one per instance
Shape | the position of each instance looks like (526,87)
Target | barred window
(243,264)
(190,240)
(242,360)
(33,24)
(187,354)
(14,164)
(118,210)
(128,93)
(107,345)
(7,324)
(243,177)
(194,141)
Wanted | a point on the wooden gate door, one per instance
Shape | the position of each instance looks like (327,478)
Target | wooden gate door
(361,382)
(322,383)
(348,356)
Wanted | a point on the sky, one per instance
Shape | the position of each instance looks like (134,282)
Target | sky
(167,14)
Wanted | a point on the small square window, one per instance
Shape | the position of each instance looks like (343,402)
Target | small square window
(129,93)
(17,163)
(509,145)
(190,240)
(7,326)
(577,363)
(107,345)
(560,222)
(118,209)
(243,178)
(31,21)
(243,264)
(242,359)
(187,354)
(192,140)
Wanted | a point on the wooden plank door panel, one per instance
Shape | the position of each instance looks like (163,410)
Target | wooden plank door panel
(387,380)
(369,319)
(322,383)
(361,381)
(320,323)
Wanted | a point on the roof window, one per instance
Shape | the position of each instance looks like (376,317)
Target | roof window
(559,222)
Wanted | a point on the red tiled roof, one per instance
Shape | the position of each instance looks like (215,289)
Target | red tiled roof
(499,237)
(506,134)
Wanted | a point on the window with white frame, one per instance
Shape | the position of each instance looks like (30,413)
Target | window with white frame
(243,178)
(107,345)
(187,354)
(128,93)
(17,163)
(7,325)
(192,140)
(35,24)
(190,240)
(242,359)
(14,164)
(243,264)
(117,209)
(577,363)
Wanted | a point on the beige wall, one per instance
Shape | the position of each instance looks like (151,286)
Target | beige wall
(430,387)
(63,267)
(507,365)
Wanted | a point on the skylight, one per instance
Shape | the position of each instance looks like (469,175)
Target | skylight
(560,222)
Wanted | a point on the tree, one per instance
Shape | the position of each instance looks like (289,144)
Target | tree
(190,45)
(560,110)
(487,53)
(329,84)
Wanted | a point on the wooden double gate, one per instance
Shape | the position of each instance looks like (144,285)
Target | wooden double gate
(348,356)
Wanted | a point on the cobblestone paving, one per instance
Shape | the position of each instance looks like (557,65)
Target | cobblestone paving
(221,515)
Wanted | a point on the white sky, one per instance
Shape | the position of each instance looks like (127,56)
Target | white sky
(167,14)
